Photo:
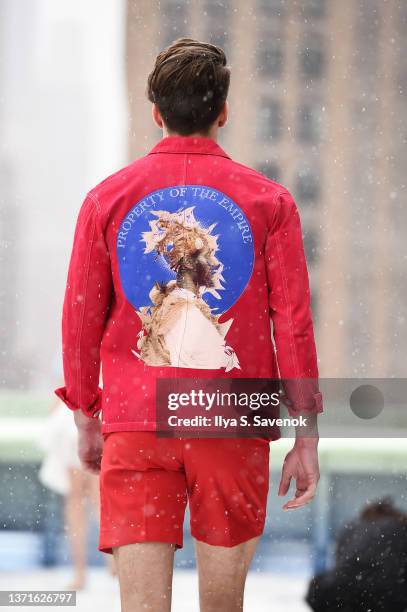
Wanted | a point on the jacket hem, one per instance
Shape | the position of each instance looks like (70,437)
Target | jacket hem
(152,427)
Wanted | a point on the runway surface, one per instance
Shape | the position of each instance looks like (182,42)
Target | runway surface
(265,592)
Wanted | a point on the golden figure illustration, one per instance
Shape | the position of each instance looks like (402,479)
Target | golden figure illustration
(179,329)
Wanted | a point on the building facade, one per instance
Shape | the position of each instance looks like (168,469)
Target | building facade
(315,103)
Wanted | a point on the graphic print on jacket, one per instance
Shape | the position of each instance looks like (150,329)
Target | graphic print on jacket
(185,256)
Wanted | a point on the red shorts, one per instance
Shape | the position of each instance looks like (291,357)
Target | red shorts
(146,481)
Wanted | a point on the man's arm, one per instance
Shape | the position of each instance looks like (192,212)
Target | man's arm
(87,300)
(290,311)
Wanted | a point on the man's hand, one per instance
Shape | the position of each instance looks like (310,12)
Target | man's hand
(301,463)
(90,442)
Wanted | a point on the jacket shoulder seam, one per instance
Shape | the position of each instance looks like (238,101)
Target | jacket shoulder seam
(95,201)
(275,206)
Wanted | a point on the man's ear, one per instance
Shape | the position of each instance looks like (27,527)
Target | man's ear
(223,115)
(156,116)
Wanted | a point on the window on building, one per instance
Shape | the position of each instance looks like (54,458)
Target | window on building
(173,19)
(216,15)
(269,169)
(314,305)
(215,8)
(311,246)
(313,8)
(307,186)
(272,8)
(309,122)
(270,58)
(312,59)
(218,36)
(269,121)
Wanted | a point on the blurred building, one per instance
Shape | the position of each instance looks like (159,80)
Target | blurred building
(316,103)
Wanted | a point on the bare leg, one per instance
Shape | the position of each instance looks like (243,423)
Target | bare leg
(145,574)
(222,575)
(76,523)
(93,492)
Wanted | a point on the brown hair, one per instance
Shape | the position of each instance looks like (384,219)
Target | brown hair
(189,84)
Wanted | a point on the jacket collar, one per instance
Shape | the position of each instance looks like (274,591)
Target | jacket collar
(188,144)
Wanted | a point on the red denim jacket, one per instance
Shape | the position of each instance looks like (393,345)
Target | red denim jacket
(179,261)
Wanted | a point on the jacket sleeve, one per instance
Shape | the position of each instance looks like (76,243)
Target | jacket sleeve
(290,308)
(86,304)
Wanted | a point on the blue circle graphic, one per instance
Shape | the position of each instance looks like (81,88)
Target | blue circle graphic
(141,266)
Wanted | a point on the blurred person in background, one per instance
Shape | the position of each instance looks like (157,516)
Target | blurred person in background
(148,279)
(370,571)
(62,473)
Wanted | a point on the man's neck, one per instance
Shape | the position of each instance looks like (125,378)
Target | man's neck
(212,134)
